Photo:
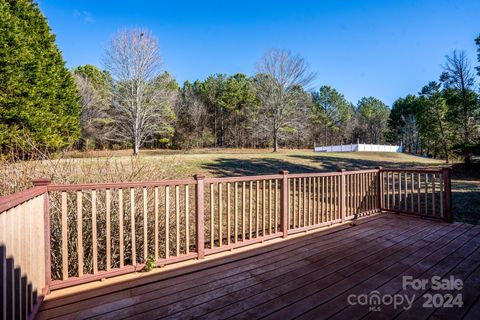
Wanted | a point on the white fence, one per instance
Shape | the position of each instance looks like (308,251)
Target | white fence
(359,147)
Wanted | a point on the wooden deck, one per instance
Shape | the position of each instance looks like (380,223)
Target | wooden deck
(309,277)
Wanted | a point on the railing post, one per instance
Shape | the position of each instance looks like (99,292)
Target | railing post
(46,222)
(284,196)
(380,198)
(343,208)
(199,210)
(447,182)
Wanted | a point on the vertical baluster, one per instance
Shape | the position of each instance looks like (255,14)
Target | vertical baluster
(305,204)
(388,190)
(64,237)
(263,208)
(132,226)
(412,187)
(229,227)
(433,194)
(155,204)
(318,200)
(94,232)
(322,217)
(250,208)
(257,207)
(220,213)
(80,233)
(394,194)
(348,194)
(120,227)
(336,197)
(269,206)
(351,182)
(310,204)
(145,225)
(400,200)
(365,192)
(107,230)
(368,178)
(329,198)
(177,219)
(243,211)
(299,201)
(276,206)
(294,203)
(418,193)
(426,193)
(187,222)
(235,224)
(212,208)
(354,194)
(167,222)
(360,192)
(405,191)
(314,199)
(441,195)
(372,190)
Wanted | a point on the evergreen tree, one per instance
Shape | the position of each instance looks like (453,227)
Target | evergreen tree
(38,96)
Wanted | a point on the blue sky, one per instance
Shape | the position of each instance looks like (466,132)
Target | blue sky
(384,49)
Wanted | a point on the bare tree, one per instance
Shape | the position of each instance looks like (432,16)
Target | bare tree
(95,122)
(141,93)
(280,75)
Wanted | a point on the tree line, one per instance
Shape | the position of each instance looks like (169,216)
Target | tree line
(132,102)
(135,103)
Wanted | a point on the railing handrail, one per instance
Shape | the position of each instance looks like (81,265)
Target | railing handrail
(12,200)
(119,185)
(412,170)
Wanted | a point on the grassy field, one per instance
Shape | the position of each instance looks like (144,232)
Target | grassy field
(235,162)
(110,166)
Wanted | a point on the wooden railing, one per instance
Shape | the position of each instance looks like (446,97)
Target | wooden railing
(88,232)
(425,193)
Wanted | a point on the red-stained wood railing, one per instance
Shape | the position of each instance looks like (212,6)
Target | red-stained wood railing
(103,230)
(241,210)
(421,192)
(89,232)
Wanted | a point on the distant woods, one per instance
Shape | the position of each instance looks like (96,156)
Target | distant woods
(132,102)
(130,105)
(443,119)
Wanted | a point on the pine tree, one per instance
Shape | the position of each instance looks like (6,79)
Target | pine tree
(38,97)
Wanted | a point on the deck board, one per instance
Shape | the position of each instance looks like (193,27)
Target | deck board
(308,277)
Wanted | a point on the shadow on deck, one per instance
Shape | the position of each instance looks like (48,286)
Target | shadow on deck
(313,276)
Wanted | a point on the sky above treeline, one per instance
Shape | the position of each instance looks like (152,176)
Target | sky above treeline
(385,49)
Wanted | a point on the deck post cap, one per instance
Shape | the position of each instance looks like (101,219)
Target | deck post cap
(283,172)
(341,170)
(199,176)
(41,182)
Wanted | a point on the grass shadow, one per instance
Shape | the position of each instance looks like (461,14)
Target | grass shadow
(329,163)
(225,167)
